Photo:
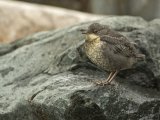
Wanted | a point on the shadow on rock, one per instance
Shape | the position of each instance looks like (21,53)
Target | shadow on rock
(83,108)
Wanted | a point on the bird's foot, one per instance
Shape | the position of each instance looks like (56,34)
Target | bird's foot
(102,83)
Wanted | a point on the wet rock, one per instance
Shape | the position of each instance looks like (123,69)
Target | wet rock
(83,108)
(47,76)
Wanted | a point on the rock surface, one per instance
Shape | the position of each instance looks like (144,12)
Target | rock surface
(30,18)
(46,76)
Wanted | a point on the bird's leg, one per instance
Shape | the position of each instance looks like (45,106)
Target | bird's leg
(110,75)
(111,78)
(102,82)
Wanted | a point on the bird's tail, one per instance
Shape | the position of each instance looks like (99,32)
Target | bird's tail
(140,57)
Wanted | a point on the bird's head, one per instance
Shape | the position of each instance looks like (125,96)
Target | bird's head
(92,31)
(94,28)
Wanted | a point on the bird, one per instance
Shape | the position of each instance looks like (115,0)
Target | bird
(109,50)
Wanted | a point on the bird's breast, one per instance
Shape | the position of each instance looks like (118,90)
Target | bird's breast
(94,51)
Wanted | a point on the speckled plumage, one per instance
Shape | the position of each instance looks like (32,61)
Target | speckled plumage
(109,50)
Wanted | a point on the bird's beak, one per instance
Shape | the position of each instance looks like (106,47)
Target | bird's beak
(84,31)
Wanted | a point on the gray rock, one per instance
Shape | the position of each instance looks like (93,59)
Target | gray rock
(47,76)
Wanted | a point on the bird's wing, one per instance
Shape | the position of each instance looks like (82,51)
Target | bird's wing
(119,45)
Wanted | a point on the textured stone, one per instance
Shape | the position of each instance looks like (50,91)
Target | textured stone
(47,76)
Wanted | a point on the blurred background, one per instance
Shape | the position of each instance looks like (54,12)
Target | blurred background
(20,18)
(148,9)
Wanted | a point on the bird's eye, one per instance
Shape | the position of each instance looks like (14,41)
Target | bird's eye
(95,31)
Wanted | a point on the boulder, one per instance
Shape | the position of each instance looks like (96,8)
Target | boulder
(28,18)
(47,76)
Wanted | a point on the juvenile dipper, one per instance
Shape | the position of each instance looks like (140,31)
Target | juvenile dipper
(109,50)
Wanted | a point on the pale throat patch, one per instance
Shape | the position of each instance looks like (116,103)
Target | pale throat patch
(91,37)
